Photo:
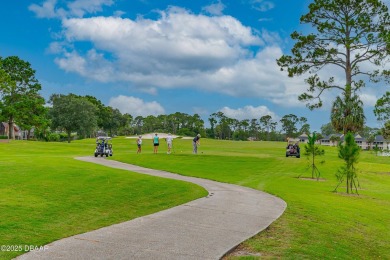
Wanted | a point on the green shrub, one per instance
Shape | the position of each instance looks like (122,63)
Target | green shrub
(63,137)
(3,137)
(53,137)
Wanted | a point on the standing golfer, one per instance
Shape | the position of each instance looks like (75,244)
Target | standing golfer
(169,142)
(139,143)
(156,143)
(195,143)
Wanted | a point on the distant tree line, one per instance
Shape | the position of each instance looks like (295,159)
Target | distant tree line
(89,117)
(264,128)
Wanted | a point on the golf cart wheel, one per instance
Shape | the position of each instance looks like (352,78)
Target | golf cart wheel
(96,154)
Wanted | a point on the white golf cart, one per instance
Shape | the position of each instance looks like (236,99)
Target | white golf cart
(103,146)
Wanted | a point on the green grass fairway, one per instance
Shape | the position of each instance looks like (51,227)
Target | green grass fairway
(46,195)
(318,223)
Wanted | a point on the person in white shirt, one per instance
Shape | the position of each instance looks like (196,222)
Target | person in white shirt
(169,140)
(139,143)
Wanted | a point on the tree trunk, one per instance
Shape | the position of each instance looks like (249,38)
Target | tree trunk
(312,165)
(69,134)
(11,133)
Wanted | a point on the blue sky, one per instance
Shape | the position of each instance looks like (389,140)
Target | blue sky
(164,56)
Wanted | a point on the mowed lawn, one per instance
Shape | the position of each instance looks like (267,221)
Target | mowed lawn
(46,195)
(318,223)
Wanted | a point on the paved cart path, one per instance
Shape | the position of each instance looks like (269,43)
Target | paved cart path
(206,228)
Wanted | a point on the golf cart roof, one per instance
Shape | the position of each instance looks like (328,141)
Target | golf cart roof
(104,138)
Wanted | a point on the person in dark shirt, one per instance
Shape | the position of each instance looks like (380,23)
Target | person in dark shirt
(196,143)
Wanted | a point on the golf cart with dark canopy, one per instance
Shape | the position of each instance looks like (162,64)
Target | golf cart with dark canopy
(103,146)
(293,150)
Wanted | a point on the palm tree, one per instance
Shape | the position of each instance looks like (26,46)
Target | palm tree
(266,122)
(347,114)
(312,151)
(349,152)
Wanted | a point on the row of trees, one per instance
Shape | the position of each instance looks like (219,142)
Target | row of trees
(177,123)
(87,116)
(264,128)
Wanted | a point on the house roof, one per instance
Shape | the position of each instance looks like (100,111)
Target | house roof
(378,138)
(329,136)
(359,138)
(16,128)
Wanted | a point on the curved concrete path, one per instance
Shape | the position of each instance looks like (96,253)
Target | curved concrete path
(206,228)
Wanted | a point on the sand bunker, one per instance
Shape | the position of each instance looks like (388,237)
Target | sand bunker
(161,135)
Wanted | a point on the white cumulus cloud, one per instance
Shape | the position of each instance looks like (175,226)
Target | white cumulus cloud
(76,8)
(368,99)
(248,112)
(262,5)
(46,10)
(79,8)
(180,50)
(136,106)
(215,8)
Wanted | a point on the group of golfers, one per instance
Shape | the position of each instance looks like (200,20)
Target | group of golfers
(169,140)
